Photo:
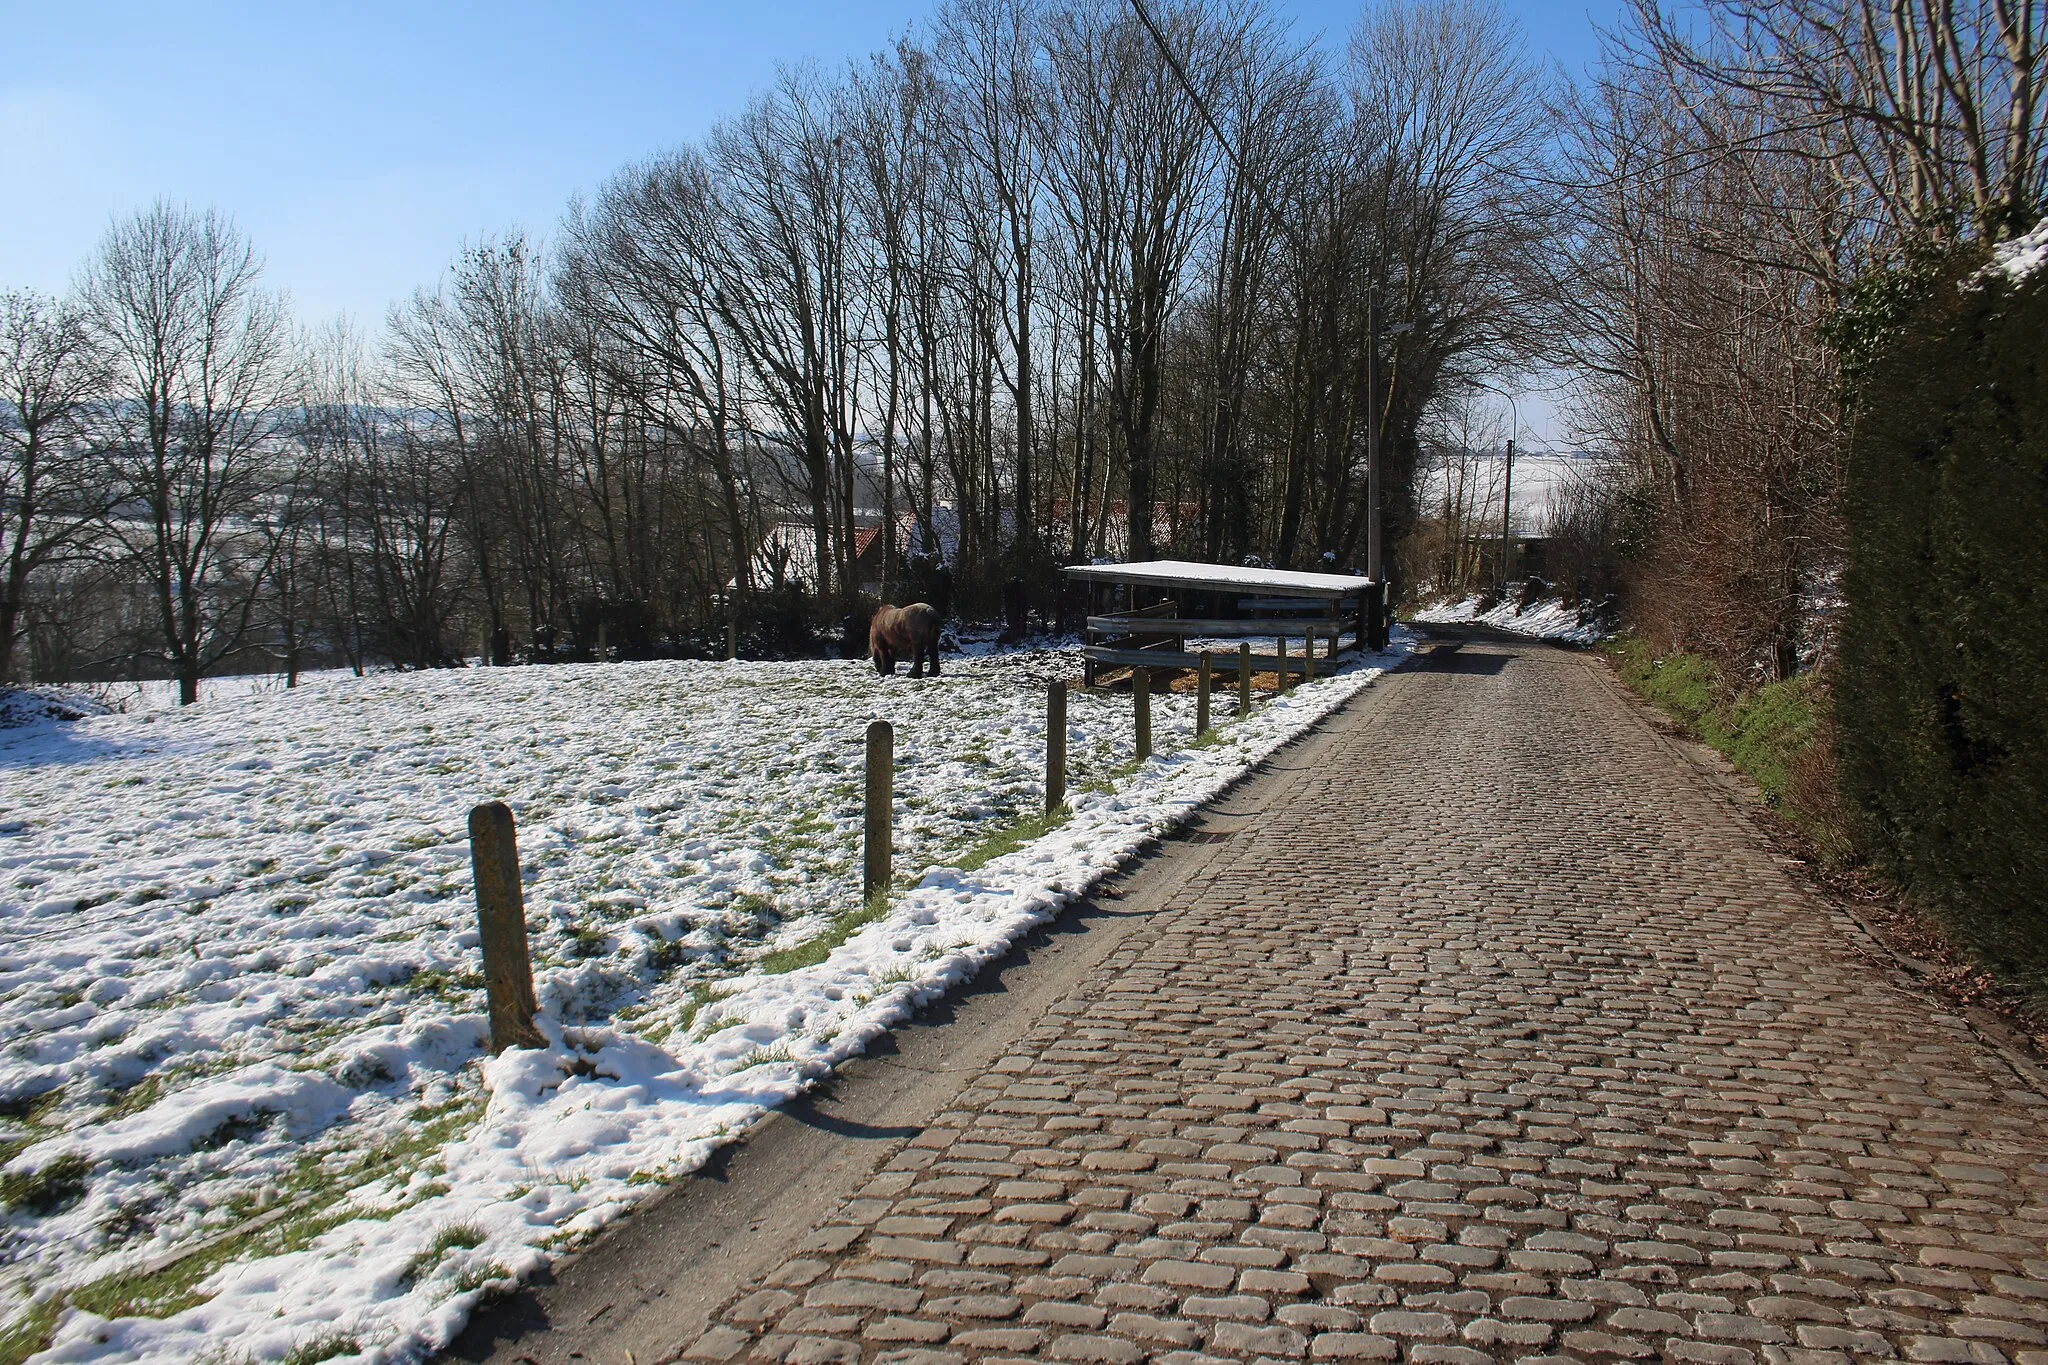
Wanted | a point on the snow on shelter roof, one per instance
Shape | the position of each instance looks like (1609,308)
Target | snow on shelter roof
(1184,573)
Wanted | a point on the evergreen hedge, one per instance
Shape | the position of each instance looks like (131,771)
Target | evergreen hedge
(1941,700)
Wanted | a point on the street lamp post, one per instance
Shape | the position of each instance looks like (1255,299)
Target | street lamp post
(1507,492)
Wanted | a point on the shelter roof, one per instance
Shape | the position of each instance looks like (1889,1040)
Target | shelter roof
(1183,573)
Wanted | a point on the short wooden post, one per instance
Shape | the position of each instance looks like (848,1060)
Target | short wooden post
(1308,656)
(1281,682)
(1055,746)
(732,639)
(877,845)
(501,925)
(1141,705)
(1244,679)
(1202,697)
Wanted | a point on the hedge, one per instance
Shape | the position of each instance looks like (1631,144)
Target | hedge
(1941,699)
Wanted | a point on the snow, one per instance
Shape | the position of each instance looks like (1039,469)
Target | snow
(25,705)
(2022,256)
(1545,486)
(1548,619)
(1197,575)
(150,694)
(238,969)
(305,1102)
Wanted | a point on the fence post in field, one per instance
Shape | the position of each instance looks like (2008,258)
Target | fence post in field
(1055,746)
(879,838)
(1141,704)
(501,927)
(1308,657)
(1282,681)
(1244,679)
(1202,697)
(732,639)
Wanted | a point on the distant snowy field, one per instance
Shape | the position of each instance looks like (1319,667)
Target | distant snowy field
(1549,619)
(246,1106)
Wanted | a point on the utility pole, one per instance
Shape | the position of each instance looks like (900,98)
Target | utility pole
(1375,567)
(1507,517)
(1375,556)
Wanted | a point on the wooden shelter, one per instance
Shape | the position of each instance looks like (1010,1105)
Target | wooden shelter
(1138,614)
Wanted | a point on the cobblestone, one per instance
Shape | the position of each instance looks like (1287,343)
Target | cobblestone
(1498,1033)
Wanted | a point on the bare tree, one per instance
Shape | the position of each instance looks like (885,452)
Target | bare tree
(636,267)
(1452,126)
(992,51)
(1713,234)
(781,291)
(1028,275)
(895,107)
(203,362)
(50,376)
(1138,156)
(1936,105)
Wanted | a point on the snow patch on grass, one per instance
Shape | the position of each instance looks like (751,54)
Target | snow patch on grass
(238,974)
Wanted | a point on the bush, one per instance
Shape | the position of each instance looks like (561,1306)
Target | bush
(779,622)
(1684,686)
(1777,733)
(1942,698)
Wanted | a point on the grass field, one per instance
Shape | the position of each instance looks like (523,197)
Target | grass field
(240,1002)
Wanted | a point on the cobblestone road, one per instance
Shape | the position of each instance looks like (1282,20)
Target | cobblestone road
(1503,1038)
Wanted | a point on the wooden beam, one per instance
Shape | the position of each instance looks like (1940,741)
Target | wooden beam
(1137,574)
(1152,659)
(1120,625)
(1325,605)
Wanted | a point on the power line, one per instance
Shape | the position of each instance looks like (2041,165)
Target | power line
(1180,73)
(1707,154)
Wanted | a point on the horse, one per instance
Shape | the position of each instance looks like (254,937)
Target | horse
(895,629)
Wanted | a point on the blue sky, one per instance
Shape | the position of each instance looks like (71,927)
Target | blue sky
(359,144)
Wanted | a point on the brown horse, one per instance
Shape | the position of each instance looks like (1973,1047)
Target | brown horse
(894,630)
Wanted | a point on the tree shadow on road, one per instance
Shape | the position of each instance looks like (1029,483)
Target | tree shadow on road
(1452,658)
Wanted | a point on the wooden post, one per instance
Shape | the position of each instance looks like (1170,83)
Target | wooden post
(501,925)
(881,802)
(1244,679)
(1055,746)
(1376,606)
(1308,656)
(1141,704)
(1202,697)
(1087,635)
(732,639)
(1364,626)
(1281,682)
